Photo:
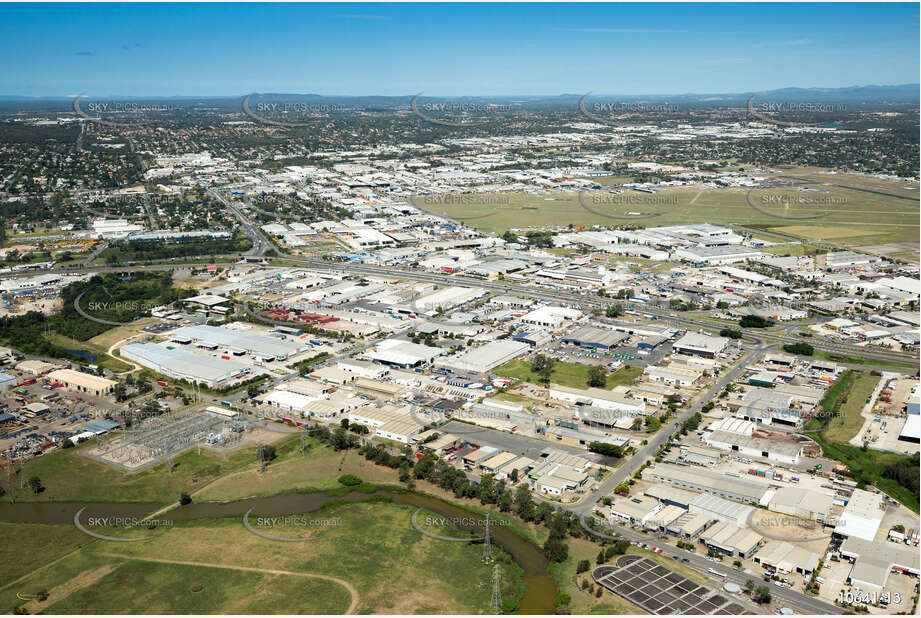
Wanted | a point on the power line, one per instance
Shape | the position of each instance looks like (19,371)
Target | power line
(496,602)
(487,546)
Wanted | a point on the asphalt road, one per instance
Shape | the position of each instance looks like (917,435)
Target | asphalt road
(783,596)
(647,452)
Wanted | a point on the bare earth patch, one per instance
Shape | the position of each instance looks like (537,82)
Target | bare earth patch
(59,593)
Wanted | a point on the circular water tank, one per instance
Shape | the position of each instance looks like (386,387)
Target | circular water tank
(732,588)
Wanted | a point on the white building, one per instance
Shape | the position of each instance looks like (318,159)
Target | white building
(696,344)
(862,516)
(550,317)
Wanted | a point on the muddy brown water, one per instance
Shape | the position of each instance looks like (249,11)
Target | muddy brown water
(540,587)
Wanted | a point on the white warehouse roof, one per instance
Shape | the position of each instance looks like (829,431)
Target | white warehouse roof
(861,517)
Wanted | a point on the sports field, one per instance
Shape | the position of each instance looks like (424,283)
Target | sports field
(856,211)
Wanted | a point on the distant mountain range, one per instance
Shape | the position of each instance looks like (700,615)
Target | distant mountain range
(851,95)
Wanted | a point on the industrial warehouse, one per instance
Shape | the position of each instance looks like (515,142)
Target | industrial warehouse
(484,358)
(258,346)
(182,365)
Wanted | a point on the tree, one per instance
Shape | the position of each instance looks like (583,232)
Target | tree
(731,333)
(583,566)
(636,424)
(543,367)
(603,448)
(749,586)
(185,499)
(524,505)
(755,321)
(252,390)
(268,453)
(600,558)
(35,484)
(556,550)
(615,310)
(762,594)
(597,376)
(803,349)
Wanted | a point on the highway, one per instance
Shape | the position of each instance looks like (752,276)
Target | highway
(260,242)
(764,341)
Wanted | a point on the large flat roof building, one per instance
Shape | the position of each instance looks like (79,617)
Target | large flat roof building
(717,508)
(772,450)
(786,558)
(695,344)
(731,539)
(181,364)
(260,346)
(397,353)
(799,502)
(83,382)
(595,338)
(874,561)
(598,398)
(862,516)
(484,358)
(707,481)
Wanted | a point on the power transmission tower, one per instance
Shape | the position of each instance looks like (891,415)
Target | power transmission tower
(305,446)
(487,546)
(261,458)
(496,602)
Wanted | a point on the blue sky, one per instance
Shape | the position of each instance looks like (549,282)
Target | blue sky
(452,49)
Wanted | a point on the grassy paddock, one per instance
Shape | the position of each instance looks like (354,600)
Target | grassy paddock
(217,566)
(572,375)
(69,476)
(849,420)
(854,218)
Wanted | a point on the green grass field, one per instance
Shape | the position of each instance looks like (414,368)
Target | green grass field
(870,363)
(317,469)
(24,547)
(102,358)
(572,375)
(868,467)
(158,588)
(854,218)
(217,566)
(791,249)
(583,601)
(624,376)
(845,426)
(69,476)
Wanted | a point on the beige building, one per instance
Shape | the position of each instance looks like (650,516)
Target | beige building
(83,382)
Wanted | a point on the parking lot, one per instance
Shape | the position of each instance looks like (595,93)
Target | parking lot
(661,591)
